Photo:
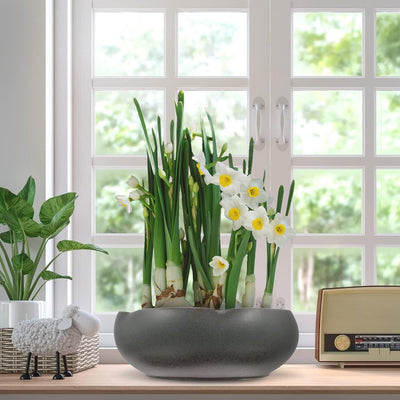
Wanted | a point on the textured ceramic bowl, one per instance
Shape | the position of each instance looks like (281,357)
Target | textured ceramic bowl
(208,344)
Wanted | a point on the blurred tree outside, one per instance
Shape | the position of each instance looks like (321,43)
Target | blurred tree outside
(324,46)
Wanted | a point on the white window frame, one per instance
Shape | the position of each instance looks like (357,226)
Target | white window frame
(74,29)
(283,84)
(73,103)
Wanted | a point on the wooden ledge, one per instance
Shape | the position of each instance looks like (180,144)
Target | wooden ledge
(288,379)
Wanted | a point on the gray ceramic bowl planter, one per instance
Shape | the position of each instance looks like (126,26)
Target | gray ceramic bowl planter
(204,343)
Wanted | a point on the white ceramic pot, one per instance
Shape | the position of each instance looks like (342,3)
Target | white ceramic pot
(14,311)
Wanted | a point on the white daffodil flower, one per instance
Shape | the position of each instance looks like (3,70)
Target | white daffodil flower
(228,179)
(201,166)
(235,210)
(124,202)
(280,232)
(133,182)
(252,193)
(219,265)
(257,222)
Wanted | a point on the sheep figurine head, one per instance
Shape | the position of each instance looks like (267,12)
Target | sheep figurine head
(87,324)
(58,336)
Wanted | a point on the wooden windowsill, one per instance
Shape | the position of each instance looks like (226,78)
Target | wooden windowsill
(288,379)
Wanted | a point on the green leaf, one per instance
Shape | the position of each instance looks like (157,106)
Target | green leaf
(70,245)
(7,237)
(28,191)
(52,230)
(279,200)
(29,226)
(50,275)
(58,208)
(10,201)
(22,262)
(290,197)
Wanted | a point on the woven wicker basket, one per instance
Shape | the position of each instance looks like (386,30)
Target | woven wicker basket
(14,362)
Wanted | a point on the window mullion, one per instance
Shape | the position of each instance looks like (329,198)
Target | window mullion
(171,68)
(83,293)
(279,171)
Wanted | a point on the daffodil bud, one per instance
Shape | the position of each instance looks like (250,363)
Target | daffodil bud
(196,187)
(145,213)
(271,212)
(191,181)
(135,194)
(224,148)
(168,148)
(133,182)
(161,173)
(249,247)
(181,234)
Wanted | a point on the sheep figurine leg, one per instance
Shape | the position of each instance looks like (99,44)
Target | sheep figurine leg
(58,374)
(25,376)
(67,373)
(35,372)
(48,336)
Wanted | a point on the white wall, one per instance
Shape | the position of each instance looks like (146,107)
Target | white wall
(24,91)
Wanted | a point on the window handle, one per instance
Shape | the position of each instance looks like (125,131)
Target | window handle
(281,105)
(258,105)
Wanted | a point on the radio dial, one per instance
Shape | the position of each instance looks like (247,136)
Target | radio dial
(342,342)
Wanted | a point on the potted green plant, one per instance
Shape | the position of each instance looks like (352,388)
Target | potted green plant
(23,271)
(220,334)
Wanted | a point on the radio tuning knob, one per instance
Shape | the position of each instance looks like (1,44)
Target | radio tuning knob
(342,342)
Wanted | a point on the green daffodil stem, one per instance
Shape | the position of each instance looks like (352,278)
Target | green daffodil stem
(249,291)
(272,261)
(249,295)
(234,272)
(147,258)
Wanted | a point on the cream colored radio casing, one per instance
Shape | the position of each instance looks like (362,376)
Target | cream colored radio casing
(343,313)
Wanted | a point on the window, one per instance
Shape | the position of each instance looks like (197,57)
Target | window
(328,74)
(211,51)
(338,69)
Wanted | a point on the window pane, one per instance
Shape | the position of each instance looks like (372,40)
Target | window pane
(228,111)
(327,201)
(318,268)
(118,129)
(129,44)
(327,44)
(387,44)
(388,265)
(212,44)
(119,280)
(327,122)
(111,217)
(388,208)
(388,122)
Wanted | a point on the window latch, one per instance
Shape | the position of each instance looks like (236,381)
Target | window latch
(258,105)
(281,105)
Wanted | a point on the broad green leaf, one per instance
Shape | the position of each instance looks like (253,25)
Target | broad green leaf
(10,201)
(28,191)
(58,208)
(50,275)
(22,262)
(29,226)
(7,237)
(52,230)
(70,245)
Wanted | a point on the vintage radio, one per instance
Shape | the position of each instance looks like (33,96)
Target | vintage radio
(358,325)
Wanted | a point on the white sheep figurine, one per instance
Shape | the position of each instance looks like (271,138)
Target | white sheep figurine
(59,336)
